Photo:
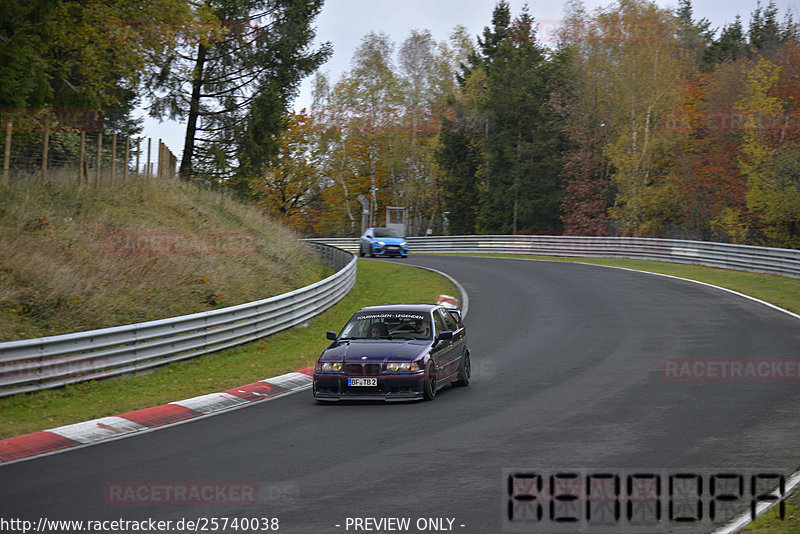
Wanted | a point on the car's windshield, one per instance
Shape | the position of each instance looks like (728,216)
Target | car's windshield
(386,232)
(387,325)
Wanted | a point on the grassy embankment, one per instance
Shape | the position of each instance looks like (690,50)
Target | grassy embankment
(67,262)
(771,522)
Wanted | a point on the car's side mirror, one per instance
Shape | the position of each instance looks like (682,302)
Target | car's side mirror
(331,336)
(444,336)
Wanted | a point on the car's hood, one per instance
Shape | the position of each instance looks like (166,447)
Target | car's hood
(375,351)
(390,240)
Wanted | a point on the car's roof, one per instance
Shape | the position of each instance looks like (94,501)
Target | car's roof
(388,308)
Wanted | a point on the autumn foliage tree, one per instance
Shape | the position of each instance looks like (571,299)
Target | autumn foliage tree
(769,154)
(380,123)
(289,188)
(677,129)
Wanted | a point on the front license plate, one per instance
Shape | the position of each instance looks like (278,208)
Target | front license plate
(362,382)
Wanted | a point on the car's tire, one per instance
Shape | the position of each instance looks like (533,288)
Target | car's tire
(429,385)
(371,251)
(464,371)
(361,250)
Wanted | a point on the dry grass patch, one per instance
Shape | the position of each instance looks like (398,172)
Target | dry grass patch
(66,262)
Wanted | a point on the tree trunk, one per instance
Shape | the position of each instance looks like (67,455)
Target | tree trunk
(516,180)
(194,112)
(345,189)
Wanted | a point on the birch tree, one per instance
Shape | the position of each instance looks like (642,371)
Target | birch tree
(635,71)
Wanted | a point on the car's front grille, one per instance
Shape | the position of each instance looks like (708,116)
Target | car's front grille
(363,369)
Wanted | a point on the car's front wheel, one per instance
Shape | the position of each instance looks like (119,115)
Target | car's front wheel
(361,250)
(464,371)
(429,386)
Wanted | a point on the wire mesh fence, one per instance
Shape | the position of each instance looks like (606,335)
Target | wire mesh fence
(72,146)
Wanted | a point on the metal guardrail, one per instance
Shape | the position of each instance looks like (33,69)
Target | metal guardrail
(33,364)
(780,261)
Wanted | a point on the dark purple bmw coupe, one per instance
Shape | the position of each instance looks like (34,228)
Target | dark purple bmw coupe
(394,352)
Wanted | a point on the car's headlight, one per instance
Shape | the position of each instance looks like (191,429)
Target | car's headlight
(329,366)
(403,244)
(380,243)
(394,367)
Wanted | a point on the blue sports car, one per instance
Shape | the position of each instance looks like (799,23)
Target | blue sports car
(394,352)
(383,242)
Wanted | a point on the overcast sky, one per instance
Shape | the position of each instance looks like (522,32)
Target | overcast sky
(344,22)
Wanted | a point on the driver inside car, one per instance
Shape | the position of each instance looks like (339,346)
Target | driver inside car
(422,329)
(378,330)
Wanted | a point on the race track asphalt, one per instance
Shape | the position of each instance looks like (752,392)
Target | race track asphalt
(568,374)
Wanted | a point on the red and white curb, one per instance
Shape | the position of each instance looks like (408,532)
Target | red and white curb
(114,427)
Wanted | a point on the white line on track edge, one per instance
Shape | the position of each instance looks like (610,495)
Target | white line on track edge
(742,520)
